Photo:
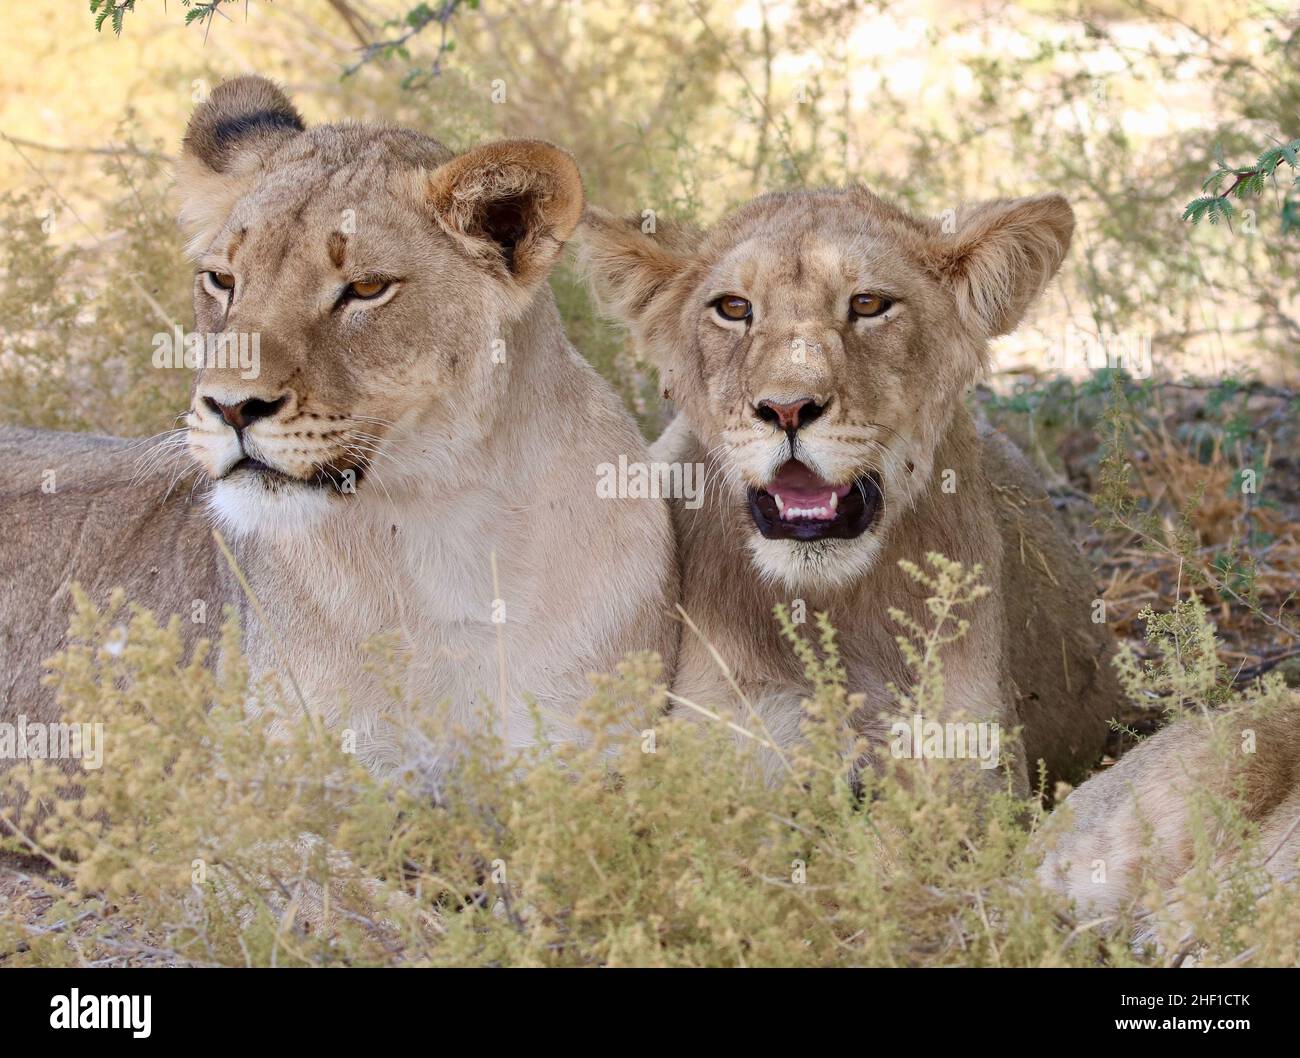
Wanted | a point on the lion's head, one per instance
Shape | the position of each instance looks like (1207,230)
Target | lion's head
(377,278)
(817,343)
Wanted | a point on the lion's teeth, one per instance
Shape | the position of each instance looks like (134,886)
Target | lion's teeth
(791,513)
(788,512)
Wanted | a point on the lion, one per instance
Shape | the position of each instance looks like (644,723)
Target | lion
(817,345)
(1135,824)
(410,456)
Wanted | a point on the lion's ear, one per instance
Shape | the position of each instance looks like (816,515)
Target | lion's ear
(627,265)
(511,205)
(1001,256)
(228,137)
(234,127)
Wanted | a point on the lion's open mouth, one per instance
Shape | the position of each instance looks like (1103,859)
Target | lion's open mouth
(799,505)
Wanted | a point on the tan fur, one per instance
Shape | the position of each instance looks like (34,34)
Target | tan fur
(893,391)
(1132,824)
(475,428)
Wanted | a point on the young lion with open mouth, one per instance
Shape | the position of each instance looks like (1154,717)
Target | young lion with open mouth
(818,345)
(411,453)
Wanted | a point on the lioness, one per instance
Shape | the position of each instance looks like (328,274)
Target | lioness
(818,345)
(1136,822)
(415,454)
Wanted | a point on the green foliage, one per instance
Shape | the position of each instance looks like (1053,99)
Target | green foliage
(1249,181)
(1186,672)
(406,28)
(605,346)
(1115,499)
(114,11)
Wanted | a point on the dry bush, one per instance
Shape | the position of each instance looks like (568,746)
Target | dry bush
(211,837)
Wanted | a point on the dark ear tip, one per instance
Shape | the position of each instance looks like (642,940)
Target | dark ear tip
(236,109)
(249,94)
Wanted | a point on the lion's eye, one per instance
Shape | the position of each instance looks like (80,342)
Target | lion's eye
(224,280)
(367,289)
(731,307)
(868,305)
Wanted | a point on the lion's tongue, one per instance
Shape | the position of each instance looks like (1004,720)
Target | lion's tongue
(801,494)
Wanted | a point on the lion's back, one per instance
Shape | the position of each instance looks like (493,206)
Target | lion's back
(98,512)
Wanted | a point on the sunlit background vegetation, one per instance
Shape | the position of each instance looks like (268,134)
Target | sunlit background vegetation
(688,107)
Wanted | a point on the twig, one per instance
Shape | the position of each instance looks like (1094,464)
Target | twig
(725,52)
(1247,674)
(721,662)
(111,150)
(261,613)
(99,239)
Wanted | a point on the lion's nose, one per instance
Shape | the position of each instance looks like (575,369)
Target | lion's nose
(792,415)
(245,412)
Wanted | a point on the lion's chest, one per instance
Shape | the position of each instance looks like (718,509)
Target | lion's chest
(439,635)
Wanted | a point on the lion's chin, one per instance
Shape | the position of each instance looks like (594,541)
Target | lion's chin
(247,504)
(815,565)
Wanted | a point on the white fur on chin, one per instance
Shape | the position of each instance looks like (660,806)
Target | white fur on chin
(244,505)
(817,564)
